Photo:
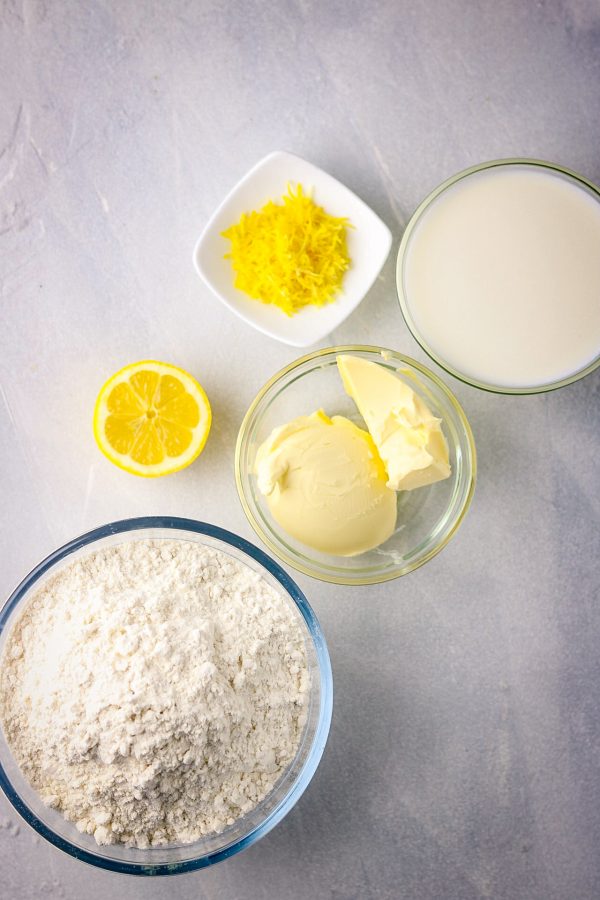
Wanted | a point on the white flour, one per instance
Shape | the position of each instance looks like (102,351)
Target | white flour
(154,691)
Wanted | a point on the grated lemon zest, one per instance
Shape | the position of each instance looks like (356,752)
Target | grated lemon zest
(291,255)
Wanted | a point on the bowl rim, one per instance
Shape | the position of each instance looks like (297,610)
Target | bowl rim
(379,351)
(400,266)
(318,333)
(301,782)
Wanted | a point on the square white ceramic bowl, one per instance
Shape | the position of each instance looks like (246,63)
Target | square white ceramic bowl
(369,243)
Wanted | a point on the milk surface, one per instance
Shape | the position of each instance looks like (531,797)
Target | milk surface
(502,276)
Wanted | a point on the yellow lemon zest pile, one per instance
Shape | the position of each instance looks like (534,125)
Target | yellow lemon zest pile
(151,418)
(291,255)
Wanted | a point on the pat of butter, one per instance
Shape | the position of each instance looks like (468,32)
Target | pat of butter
(325,484)
(408,437)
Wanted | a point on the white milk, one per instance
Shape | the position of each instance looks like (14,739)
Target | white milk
(502,276)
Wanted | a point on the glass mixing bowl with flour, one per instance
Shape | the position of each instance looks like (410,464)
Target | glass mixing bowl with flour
(165,696)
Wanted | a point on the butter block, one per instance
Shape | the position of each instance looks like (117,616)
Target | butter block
(408,437)
(325,484)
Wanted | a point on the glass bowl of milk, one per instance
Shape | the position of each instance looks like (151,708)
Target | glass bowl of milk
(498,276)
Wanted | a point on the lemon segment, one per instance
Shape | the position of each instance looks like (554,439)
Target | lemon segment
(151,418)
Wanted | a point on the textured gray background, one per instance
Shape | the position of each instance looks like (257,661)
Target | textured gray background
(464,756)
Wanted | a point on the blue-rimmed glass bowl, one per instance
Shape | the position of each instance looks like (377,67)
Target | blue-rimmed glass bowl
(173,859)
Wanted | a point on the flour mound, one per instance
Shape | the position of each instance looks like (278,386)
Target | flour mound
(154,691)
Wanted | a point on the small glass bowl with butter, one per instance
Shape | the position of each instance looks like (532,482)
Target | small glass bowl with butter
(426,517)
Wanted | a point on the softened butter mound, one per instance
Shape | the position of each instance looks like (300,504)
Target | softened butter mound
(408,437)
(325,485)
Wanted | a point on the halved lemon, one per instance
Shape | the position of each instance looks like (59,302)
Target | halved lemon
(151,418)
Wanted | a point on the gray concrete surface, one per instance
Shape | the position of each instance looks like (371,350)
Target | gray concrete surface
(464,756)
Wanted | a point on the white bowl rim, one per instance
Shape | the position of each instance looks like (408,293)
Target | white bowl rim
(318,333)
